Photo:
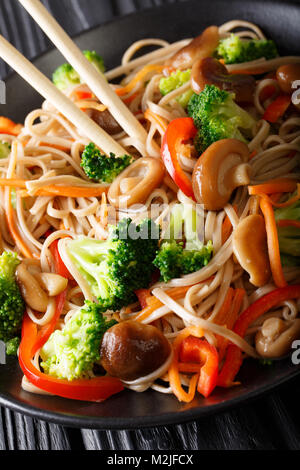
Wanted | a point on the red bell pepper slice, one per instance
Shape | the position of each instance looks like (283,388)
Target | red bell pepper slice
(83,95)
(199,350)
(60,267)
(234,358)
(142,295)
(46,331)
(179,130)
(277,108)
(96,389)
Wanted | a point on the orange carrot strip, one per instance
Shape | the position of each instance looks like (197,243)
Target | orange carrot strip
(281,185)
(226,229)
(13,230)
(138,77)
(7,126)
(70,191)
(273,243)
(158,119)
(287,203)
(54,190)
(230,320)
(220,318)
(288,223)
(13,182)
(153,303)
(131,98)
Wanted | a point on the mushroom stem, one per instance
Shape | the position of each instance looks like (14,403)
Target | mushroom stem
(239,175)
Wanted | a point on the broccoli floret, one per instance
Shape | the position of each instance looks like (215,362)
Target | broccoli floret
(217,117)
(12,346)
(66,76)
(96,60)
(181,251)
(235,50)
(5,149)
(174,81)
(289,237)
(70,353)
(101,168)
(113,269)
(11,301)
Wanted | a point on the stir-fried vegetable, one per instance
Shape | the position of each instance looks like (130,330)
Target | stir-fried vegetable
(116,267)
(288,227)
(179,130)
(176,80)
(101,168)
(277,108)
(234,357)
(5,149)
(11,303)
(70,353)
(176,257)
(217,117)
(235,50)
(96,389)
(196,350)
(65,76)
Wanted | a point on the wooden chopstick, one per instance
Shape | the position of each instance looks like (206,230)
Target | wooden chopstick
(61,102)
(95,80)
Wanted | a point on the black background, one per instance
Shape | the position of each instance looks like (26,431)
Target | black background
(272,422)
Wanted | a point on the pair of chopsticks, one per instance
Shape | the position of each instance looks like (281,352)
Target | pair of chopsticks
(95,80)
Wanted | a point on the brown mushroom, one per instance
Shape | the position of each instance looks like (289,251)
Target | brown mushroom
(105,120)
(136,182)
(286,75)
(250,249)
(276,337)
(219,171)
(210,71)
(52,283)
(31,290)
(131,350)
(202,46)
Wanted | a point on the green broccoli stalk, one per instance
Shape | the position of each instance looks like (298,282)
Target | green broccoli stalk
(5,149)
(289,237)
(113,269)
(11,302)
(235,50)
(217,117)
(70,353)
(181,251)
(174,81)
(101,168)
(65,76)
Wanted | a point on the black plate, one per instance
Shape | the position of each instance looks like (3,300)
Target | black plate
(279,20)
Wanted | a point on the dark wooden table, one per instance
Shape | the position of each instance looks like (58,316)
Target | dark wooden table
(273,422)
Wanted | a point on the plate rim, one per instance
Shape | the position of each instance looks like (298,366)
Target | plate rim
(139,422)
(168,418)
